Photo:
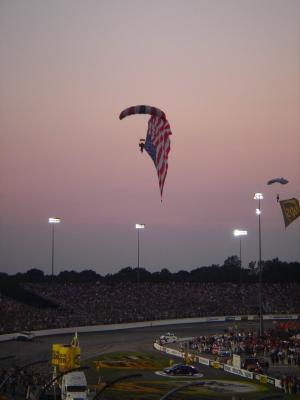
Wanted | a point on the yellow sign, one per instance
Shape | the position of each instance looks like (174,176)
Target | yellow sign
(263,379)
(55,353)
(65,356)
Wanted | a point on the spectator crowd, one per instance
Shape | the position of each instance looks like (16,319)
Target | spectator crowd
(276,351)
(81,304)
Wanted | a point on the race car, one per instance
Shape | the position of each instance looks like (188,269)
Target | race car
(168,338)
(181,369)
(24,336)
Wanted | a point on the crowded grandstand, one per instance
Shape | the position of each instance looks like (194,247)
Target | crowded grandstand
(81,304)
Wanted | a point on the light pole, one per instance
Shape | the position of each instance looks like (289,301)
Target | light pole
(259,197)
(138,227)
(53,221)
(238,233)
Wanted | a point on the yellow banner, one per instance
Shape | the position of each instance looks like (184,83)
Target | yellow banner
(290,210)
(55,353)
(263,378)
(66,357)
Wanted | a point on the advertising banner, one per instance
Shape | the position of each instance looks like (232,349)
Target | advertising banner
(174,352)
(263,379)
(270,380)
(158,346)
(64,363)
(238,371)
(231,318)
(278,383)
(75,360)
(216,364)
(202,360)
(280,316)
(55,353)
(236,361)
(215,319)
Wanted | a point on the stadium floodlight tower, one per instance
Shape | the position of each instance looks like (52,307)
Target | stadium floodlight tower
(138,227)
(53,221)
(259,197)
(238,233)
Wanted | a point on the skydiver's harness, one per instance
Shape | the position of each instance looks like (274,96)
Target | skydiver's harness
(142,144)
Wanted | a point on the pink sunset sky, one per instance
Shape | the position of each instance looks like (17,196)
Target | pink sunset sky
(227,75)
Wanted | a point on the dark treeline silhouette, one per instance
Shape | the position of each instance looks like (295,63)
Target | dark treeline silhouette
(273,271)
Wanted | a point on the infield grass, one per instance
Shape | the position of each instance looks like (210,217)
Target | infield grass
(111,366)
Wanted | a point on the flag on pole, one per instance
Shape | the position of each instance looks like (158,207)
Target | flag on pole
(157,146)
(290,210)
(75,340)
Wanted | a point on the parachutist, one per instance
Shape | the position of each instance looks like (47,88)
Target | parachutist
(142,144)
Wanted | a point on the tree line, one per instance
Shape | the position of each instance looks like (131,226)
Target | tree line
(273,271)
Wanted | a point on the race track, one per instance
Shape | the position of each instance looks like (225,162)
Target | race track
(93,344)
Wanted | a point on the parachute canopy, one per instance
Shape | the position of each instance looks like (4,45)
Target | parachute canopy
(142,110)
(283,181)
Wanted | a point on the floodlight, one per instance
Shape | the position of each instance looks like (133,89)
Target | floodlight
(238,232)
(140,226)
(54,220)
(258,196)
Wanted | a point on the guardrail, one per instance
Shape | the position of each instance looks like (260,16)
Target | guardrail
(216,364)
(145,324)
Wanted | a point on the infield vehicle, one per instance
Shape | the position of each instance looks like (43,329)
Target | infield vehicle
(168,337)
(181,369)
(74,386)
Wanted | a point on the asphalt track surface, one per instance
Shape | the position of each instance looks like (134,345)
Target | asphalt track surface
(94,344)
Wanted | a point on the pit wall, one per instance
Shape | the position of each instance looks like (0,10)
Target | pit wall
(145,324)
(215,364)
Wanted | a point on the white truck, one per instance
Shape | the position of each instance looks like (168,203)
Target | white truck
(74,386)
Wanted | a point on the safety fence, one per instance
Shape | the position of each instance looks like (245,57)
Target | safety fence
(145,324)
(218,365)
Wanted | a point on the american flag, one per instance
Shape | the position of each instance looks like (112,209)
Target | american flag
(157,145)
